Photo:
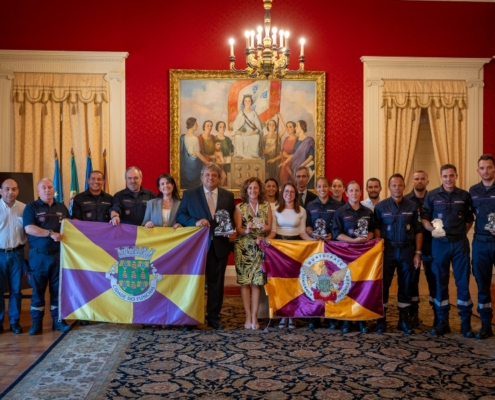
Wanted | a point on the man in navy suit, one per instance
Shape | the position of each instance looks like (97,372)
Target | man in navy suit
(197,208)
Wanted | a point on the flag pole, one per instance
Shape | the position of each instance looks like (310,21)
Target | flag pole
(74,183)
(89,169)
(105,172)
(57,180)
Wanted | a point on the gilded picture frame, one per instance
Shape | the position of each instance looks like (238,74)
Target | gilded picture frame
(247,144)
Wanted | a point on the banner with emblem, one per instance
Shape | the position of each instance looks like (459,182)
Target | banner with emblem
(134,275)
(324,279)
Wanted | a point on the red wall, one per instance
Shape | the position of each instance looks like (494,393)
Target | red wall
(192,34)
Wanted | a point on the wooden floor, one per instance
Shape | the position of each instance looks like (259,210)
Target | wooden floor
(19,352)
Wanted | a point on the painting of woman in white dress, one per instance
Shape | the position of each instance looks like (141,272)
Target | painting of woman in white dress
(247,131)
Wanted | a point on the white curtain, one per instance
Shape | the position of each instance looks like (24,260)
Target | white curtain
(59,112)
(446,102)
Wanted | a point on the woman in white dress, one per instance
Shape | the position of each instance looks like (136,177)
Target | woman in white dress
(247,131)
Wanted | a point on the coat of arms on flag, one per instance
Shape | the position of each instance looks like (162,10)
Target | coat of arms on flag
(324,279)
(132,274)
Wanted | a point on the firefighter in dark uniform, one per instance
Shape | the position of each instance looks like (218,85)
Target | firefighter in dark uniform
(483,195)
(129,205)
(319,218)
(352,223)
(453,207)
(42,220)
(92,204)
(398,223)
(420,182)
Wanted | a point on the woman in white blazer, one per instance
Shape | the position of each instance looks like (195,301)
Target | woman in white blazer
(163,210)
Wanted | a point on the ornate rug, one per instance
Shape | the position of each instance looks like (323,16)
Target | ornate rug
(109,361)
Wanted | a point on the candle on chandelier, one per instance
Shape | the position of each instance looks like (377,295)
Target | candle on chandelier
(274,36)
(260,30)
(287,40)
(302,41)
(231,42)
(252,38)
(281,33)
(247,39)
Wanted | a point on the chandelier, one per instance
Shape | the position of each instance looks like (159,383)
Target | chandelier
(269,59)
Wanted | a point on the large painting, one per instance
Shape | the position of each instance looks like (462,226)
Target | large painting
(250,128)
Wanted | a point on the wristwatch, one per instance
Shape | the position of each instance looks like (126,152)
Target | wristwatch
(50,232)
(418,252)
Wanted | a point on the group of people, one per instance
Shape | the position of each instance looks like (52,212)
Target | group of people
(403,221)
(250,140)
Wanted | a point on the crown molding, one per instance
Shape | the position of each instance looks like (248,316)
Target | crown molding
(76,62)
(423,68)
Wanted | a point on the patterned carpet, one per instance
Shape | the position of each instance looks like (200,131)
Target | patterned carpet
(108,361)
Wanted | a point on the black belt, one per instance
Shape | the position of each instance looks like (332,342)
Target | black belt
(399,245)
(483,238)
(12,250)
(46,252)
(451,238)
(282,237)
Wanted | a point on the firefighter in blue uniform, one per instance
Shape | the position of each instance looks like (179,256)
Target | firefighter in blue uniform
(319,218)
(398,222)
(42,220)
(420,182)
(352,223)
(453,207)
(483,195)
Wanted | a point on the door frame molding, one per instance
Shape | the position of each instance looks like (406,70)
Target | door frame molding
(376,69)
(110,64)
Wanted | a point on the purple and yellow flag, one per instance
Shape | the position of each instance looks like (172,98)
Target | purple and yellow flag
(324,279)
(134,275)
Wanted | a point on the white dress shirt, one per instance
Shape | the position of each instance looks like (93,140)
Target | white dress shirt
(368,203)
(11,231)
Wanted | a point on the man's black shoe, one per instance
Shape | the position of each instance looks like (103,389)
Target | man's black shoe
(403,324)
(466,330)
(16,328)
(485,332)
(84,323)
(188,328)
(314,323)
(215,324)
(363,327)
(346,327)
(333,324)
(60,325)
(441,329)
(1,328)
(36,328)
(381,325)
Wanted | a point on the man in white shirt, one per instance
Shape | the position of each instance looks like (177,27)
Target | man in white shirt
(373,187)
(12,241)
